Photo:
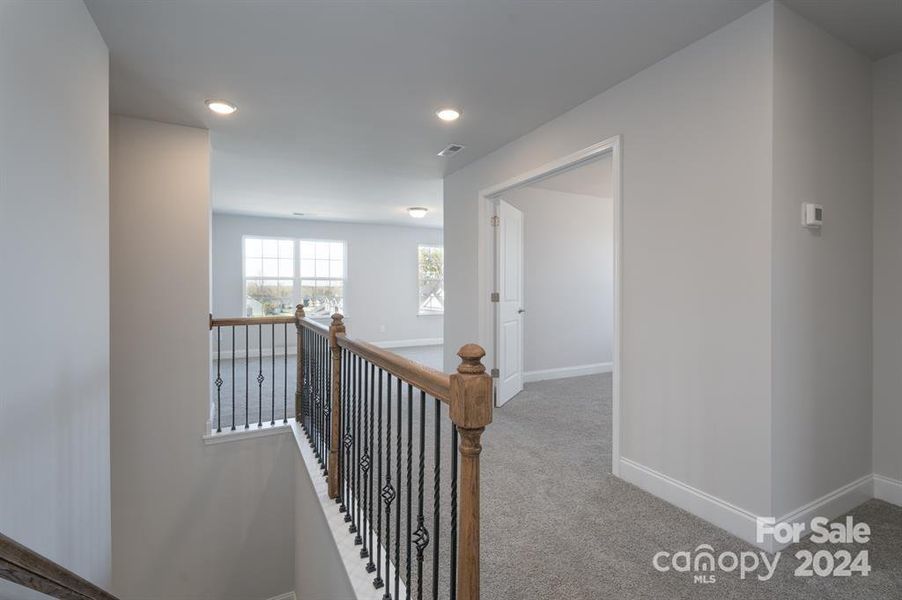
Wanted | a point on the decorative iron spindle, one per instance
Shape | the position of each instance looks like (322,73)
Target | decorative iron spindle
(218,380)
(388,491)
(436,495)
(421,535)
(370,567)
(364,459)
(409,481)
(260,377)
(355,464)
(342,468)
(377,581)
(398,488)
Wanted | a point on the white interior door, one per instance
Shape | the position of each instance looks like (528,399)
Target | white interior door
(509,305)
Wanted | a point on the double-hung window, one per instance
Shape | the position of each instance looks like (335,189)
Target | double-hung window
(280,273)
(431,272)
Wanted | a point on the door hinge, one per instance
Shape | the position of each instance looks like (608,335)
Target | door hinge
(495,221)
(496,297)
(495,373)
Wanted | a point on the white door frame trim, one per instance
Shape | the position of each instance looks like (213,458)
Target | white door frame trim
(485,268)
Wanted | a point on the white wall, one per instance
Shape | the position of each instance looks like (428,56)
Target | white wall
(190,522)
(381,299)
(888,267)
(569,278)
(697,142)
(821,280)
(54,268)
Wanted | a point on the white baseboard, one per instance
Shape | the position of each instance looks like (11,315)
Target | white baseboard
(743,523)
(288,596)
(736,520)
(410,343)
(888,489)
(564,372)
(830,505)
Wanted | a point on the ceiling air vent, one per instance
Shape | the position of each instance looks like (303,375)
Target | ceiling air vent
(450,150)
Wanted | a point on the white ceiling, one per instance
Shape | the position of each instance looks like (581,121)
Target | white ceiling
(873,27)
(336,99)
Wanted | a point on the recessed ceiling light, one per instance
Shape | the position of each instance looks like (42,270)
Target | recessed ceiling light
(448,114)
(298,214)
(221,107)
(417,212)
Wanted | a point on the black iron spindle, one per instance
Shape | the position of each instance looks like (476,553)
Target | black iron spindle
(377,582)
(272,414)
(260,377)
(370,567)
(359,440)
(436,495)
(343,463)
(388,492)
(247,376)
(218,380)
(421,535)
(285,390)
(409,481)
(355,457)
(233,378)
(398,488)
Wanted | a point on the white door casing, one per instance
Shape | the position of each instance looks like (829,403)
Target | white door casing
(510,304)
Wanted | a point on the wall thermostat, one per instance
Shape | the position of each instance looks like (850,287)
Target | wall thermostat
(812,215)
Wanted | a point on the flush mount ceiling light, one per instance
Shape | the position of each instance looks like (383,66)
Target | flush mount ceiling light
(221,107)
(448,114)
(417,212)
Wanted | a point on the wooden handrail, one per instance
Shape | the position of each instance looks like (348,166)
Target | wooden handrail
(238,321)
(312,325)
(28,568)
(435,383)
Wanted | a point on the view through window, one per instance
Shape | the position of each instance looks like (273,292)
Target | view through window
(280,273)
(432,279)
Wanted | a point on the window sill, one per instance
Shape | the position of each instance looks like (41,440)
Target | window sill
(430,314)
(241,433)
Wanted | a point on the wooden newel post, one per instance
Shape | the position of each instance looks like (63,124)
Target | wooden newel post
(470,410)
(337,327)
(299,381)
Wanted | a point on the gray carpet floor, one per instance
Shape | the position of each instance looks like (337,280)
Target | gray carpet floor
(558,524)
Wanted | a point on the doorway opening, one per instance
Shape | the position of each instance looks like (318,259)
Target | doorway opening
(552,268)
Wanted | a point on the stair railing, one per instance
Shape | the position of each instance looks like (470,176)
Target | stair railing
(364,410)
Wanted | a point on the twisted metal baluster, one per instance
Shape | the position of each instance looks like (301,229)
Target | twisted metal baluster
(377,582)
(327,405)
(365,463)
(409,479)
(398,487)
(388,492)
(421,535)
(370,567)
(346,439)
(436,495)
(356,487)
(218,380)
(260,377)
